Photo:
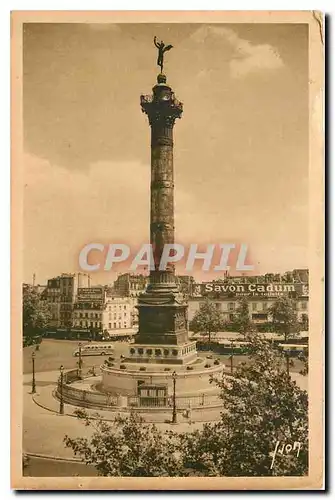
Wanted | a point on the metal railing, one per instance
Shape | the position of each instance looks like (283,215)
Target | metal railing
(75,395)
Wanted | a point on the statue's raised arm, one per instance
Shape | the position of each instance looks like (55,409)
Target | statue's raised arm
(155,42)
(161,49)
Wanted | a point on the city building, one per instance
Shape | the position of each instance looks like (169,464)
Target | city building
(88,309)
(118,314)
(130,284)
(186,284)
(60,292)
(260,296)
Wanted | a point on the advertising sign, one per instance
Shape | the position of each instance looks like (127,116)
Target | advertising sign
(217,289)
(94,294)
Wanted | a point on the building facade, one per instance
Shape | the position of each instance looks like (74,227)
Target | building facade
(260,295)
(117,314)
(89,307)
(130,284)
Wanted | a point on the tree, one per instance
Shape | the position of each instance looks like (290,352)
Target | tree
(242,318)
(207,320)
(262,405)
(36,313)
(285,322)
(303,357)
(304,322)
(128,447)
(284,317)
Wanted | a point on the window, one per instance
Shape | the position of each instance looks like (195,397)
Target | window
(218,306)
(231,306)
(125,325)
(125,307)
(304,305)
(254,306)
(265,306)
(109,325)
(114,325)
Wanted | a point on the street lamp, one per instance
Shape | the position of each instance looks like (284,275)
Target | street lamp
(80,362)
(174,411)
(33,383)
(232,357)
(61,404)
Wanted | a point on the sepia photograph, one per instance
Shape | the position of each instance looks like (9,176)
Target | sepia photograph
(167,250)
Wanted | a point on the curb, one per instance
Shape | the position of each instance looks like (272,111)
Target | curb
(52,457)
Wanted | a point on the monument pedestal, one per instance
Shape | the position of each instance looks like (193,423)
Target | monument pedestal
(163,354)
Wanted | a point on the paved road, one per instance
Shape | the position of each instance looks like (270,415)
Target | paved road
(53,353)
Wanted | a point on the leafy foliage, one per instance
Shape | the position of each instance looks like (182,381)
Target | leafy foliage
(207,320)
(262,405)
(284,317)
(303,356)
(242,321)
(128,447)
(36,313)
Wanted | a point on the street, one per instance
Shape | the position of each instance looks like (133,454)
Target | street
(54,353)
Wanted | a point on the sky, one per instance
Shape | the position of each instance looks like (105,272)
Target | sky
(240,149)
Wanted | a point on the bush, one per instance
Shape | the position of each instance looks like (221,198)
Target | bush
(123,367)
(216,362)
(207,365)
(189,368)
(167,369)
(142,368)
(111,359)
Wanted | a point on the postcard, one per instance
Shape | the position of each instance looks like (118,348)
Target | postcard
(167,250)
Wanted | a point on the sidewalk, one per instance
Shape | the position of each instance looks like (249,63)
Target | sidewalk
(44,428)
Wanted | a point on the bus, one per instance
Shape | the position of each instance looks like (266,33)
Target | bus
(293,350)
(233,347)
(93,349)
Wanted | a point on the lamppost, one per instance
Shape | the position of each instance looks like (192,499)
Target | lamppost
(174,411)
(33,383)
(232,357)
(61,404)
(80,362)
